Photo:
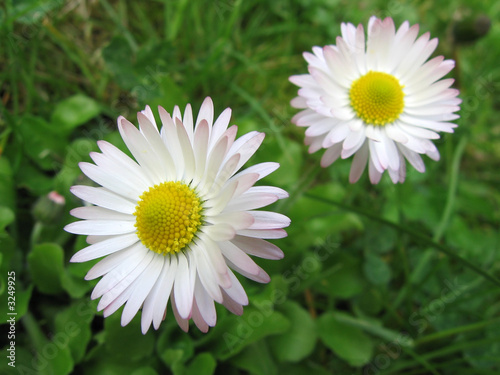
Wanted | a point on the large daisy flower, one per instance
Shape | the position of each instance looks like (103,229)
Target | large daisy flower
(380,100)
(176,222)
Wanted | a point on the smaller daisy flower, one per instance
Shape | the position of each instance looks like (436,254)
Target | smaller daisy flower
(174,223)
(381,101)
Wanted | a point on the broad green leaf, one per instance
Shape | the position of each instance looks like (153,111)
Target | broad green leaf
(299,341)
(173,358)
(343,280)
(7,192)
(173,343)
(73,327)
(144,371)
(256,359)
(202,364)
(45,262)
(33,179)
(303,368)
(127,344)
(348,342)
(51,356)
(42,141)
(376,270)
(6,217)
(237,332)
(78,151)
(75,286)
(73,112)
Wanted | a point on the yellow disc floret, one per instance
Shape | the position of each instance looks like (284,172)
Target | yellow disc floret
(377,98)
(168,216)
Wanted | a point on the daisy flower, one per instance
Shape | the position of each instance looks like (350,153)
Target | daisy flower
(379,100)
(178,220)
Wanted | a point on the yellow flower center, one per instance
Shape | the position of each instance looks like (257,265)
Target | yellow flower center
(377,98)
(167,217)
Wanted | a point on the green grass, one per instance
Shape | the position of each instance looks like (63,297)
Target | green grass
(378,279)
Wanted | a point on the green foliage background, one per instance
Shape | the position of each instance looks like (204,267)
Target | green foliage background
(376,279)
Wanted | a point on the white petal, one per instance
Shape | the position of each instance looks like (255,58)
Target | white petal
(183,289)
(147,279)
(205,304)
(258,247)
(331,154)
(104,198)
(120,277)
(237,220)
(359,163)
(154,139)
(99,213)
(219,232)
(141,150)
(182,322)
(162,291)
(106,247)
(266,233)
(101,227)
(236,292)
(269,220)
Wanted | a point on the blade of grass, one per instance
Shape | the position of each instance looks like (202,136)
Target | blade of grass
(443,352)
(416,235)
(119,24)
(455,331)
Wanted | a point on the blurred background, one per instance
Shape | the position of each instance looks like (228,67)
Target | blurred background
(375,279)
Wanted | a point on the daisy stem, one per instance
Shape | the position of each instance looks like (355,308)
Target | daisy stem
(416,236)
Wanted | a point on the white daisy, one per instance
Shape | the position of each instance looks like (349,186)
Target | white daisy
(381,100)
(174,223)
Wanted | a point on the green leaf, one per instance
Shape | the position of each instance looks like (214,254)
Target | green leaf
(348,342)
(173,343)
(376,270)
(247,360)
(235,332)
(73,112)
(202,364)
(6,217)
(73,327)
(42,142)
(144,371)
(33,179)
(343,280)
(299,341)
(45,262)
(7,192)
(173,358)
(78,151)
(127,344)
(52,356)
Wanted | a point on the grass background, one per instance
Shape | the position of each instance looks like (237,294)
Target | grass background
(376,279)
